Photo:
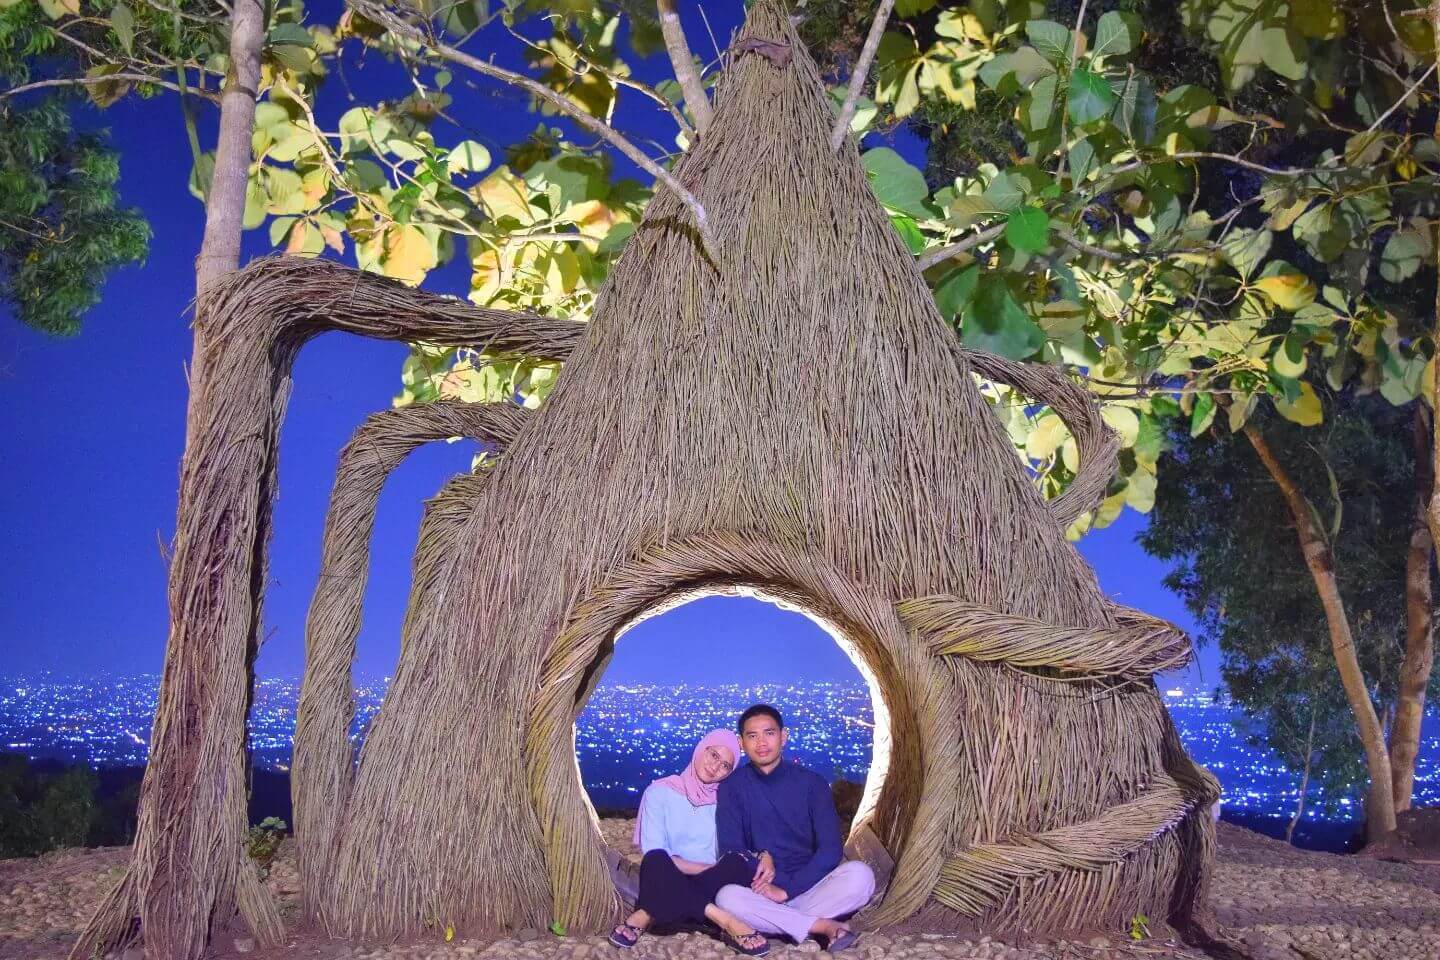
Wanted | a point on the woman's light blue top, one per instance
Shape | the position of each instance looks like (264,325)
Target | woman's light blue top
(668,822)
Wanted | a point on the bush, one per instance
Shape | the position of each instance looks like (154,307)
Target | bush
(44,806)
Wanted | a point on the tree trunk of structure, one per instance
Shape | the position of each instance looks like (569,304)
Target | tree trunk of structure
(190,884)
(1419,629)
(1304,780)
(683,63)
(1380,807)
(225,204)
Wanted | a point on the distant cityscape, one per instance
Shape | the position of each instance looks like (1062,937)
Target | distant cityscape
(629,734)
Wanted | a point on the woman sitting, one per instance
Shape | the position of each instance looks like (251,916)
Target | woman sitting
(680,875)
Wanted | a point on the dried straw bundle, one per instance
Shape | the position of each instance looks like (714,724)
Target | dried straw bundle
(795,419)
(798,419)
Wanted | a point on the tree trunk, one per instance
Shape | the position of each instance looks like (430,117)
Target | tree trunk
(1414,669)
(1433,516)
(1304,780)
(1419,629)
(1380,807)
(225,204)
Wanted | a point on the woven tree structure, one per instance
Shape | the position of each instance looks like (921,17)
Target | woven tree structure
(793,417)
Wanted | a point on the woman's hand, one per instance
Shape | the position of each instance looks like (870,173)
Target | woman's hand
(764,871)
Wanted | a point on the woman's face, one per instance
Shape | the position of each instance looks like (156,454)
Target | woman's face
(714,764)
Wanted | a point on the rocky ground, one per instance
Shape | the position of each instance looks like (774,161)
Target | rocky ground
(1275,903)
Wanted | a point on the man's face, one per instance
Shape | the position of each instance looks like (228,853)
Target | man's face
(762,739)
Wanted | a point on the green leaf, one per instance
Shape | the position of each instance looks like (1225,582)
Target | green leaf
(1123,421)
(289,33)
(1305,409)
(1028,229)
(1283,51)
(122,21)
(1082,160)
(1405,252)
(1006,192)
(467,156)
(280,228)
(201,174)
(909,232)
(896,183)
(1052,39)
(956,289)
(1090,96)
(968,208)
(1317,19)
(1042,102)
(1116,34)
(909,8)
(291,56)
(1203,415)
(1246,248)
(1289,359)
(1140,491)
(996,322)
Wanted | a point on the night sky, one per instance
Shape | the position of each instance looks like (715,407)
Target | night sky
(92,429)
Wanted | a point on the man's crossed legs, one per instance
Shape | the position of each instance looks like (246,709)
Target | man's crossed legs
(839,893)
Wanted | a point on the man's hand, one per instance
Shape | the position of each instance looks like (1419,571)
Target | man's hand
(764,872)
(771,892)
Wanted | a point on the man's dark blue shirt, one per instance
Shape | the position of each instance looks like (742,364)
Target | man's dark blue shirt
(789,812)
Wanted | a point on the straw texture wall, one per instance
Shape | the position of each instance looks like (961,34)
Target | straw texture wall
(793,418)
(796,418)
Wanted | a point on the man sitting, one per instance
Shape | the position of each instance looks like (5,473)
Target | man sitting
(783,815)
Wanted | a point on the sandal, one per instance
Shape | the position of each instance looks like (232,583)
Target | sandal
(846,939)
(625,936)
(750,944)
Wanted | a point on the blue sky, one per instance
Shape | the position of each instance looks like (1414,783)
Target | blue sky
(92,429)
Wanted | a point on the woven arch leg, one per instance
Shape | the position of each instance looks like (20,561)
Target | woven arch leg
(323,764)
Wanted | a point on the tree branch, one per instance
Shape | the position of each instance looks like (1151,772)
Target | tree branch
(108,78)
(377,12)
(928,259)
(857,77)
(683,62)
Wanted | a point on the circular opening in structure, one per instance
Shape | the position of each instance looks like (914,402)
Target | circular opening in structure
(693,662)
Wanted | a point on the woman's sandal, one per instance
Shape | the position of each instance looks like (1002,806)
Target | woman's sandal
(626,935)
(750,944)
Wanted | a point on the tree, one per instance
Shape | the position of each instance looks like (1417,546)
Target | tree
(1190,234)
(44,806)
(1224,520)
(61,229)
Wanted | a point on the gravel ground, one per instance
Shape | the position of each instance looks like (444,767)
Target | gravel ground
(1275,902)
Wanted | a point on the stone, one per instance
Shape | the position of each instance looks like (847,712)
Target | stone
(244,944)
(527,935)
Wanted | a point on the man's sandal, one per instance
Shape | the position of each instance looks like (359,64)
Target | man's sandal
(846,939)
(626,935)
(750,944)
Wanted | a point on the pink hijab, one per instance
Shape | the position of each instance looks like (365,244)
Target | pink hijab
(687,783)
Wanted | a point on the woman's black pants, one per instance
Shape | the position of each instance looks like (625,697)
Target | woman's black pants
(671,897)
